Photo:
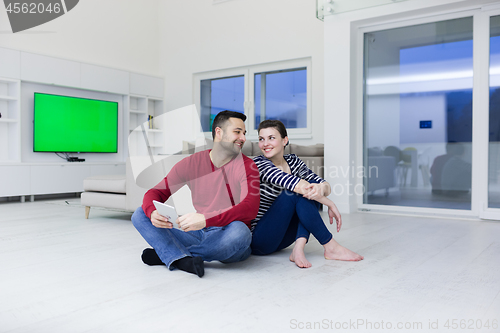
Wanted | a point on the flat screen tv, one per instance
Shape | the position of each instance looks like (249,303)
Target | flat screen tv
(73,124)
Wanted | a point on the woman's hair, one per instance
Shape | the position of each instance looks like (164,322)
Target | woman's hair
(278,125)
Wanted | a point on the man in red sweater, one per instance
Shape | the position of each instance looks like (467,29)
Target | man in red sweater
(224,186)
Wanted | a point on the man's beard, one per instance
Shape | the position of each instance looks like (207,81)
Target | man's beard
(230,147)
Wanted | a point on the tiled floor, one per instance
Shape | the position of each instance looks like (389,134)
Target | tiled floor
(62,273)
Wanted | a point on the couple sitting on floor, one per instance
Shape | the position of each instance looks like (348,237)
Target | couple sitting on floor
(243,206)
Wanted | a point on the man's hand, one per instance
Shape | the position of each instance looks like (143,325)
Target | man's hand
(334,213)
(192,221)
(314,191)
(160,221)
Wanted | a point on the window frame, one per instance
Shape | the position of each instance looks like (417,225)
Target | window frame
(219,74)
(249,92)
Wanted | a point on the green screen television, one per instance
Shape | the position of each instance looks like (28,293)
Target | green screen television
(74,125)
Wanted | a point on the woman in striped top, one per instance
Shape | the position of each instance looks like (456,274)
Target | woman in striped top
(290,198)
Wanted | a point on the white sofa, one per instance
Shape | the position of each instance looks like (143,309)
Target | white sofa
(125,192)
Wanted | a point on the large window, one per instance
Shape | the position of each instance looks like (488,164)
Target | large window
(270,91)
(282,95)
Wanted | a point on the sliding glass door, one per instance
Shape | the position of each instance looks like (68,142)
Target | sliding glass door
(431,115)
(492,209)
(418,87)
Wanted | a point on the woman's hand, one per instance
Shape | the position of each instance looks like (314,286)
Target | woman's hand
(334,213)
(301,187)
(315,191)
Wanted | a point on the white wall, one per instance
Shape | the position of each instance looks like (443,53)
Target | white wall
(197,36)
(121,34)
(342,81)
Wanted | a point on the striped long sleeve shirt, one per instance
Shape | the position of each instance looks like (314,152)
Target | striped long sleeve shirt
(273,180)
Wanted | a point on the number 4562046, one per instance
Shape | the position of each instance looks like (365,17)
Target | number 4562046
(470,324)
(33,8)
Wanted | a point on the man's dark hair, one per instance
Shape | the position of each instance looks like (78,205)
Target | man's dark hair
(278,125)
(223,116)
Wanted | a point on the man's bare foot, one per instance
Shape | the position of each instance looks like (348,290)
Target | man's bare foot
(298,256)
(335,251)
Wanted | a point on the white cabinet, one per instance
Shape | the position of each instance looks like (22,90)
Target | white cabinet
(14,180)
(104,79)
(67,177)
(111,169)
(10,131)
(36,179)
(146,85)
(10,64)
(43,69)
(47,179)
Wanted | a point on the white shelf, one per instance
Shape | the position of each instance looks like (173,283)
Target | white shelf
(8,120)
(8,98)
(137,111)
(10,135)
(5,80)
(138,130)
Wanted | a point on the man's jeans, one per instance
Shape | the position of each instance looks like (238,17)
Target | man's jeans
(226,244)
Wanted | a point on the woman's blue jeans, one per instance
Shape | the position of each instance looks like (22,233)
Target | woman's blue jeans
(291,216)
(227,244)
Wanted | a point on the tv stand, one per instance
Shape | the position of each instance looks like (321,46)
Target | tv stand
(75,159)
(26,179)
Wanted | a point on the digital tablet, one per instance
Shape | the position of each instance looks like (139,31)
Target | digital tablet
(167,211)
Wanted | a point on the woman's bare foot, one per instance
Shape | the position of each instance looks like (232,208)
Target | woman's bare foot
(335,251)
(298,256)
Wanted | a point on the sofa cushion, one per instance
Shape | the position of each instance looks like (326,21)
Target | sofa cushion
(313,150)
(203,144)
(107,183)
(247,149)
(188,147)
(316,164)
(288,149)
(106,200)
(191,147)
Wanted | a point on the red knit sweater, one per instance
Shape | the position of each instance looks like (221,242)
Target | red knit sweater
(223,195)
